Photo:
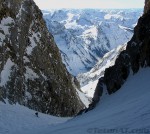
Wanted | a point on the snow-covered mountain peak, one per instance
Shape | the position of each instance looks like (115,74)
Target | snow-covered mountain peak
(84,36)
(90,79)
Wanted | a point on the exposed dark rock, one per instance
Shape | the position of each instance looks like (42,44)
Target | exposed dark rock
(98,91)
(96,97)
(136,55)
(116,75)
(30,59)
(147,6)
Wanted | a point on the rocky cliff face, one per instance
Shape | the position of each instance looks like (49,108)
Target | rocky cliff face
(31,69)
(136,56)
(147,6)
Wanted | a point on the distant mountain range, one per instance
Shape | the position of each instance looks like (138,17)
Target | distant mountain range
(84,36)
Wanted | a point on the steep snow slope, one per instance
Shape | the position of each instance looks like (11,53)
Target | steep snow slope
(126,111)
(89,80)
(128,108)
(14,119)
(83,36)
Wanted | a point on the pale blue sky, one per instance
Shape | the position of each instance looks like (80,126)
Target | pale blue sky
(53,4)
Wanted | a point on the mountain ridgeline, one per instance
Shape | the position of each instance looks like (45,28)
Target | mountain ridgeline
(31,69)
(135,56)
(85,35)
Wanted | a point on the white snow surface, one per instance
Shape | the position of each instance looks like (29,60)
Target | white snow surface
(126,110)
(84,36)
(89,88)
(5,73)
(84,98)
(5,24)
(30,74)
(89,80)
(4,27)
(16,119)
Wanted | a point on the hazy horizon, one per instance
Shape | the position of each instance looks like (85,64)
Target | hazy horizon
(90,4)
(92,9)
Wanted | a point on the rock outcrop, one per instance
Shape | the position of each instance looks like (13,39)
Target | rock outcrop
(136,56)
(96,97)
(147,6)
(31,70)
